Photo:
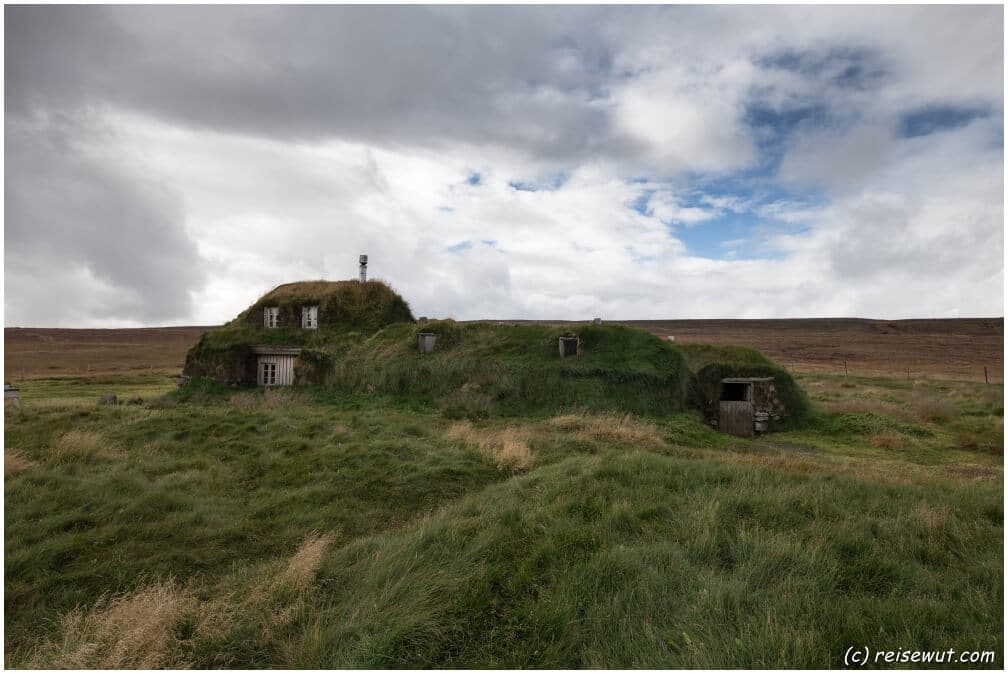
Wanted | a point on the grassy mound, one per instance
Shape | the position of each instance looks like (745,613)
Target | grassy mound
(484,369)
(711,363)
(346,309)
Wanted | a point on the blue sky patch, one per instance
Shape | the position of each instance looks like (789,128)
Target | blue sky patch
(474,178)
(640,204)
(771,126)
(735,236)
(459,247)
(550,185)
(842,67)
(936,118)
(744,206)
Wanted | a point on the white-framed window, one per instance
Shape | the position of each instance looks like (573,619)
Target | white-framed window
(268,375)
(271,317)
(309,317)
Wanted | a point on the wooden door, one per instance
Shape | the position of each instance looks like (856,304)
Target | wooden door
(276,370)
(736,417)
(267,371)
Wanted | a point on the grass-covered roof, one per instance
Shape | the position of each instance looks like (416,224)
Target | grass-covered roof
(711,363)
(348,305)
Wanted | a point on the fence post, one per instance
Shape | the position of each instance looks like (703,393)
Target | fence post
(845,368)
(986,380)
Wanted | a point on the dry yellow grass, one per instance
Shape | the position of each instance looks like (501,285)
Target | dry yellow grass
(140,630)
(508,448)
(133,631)
(609,428)
(282,600)
(15,462)
(77,445)
(888,441)
(304,564)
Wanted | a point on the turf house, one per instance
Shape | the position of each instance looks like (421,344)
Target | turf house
(361,337)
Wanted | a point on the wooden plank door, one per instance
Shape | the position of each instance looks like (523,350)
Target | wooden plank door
(736,417)
(285,370)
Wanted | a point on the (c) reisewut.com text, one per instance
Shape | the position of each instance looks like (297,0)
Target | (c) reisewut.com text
(862,656)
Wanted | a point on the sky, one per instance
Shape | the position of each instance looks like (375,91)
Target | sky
(167,165)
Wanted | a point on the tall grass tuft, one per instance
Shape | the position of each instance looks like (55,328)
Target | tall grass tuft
(135,631)
(507,449)
(77,445)
(163,626)
(301,568)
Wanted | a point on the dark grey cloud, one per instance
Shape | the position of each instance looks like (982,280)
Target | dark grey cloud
(381,74)
(69,214)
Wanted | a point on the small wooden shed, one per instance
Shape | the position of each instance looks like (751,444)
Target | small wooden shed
(746,405)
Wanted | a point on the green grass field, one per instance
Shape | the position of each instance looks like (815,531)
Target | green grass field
(305,528)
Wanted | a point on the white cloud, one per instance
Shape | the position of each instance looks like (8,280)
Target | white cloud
(686,120)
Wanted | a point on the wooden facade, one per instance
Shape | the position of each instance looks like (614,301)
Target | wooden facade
(275,365)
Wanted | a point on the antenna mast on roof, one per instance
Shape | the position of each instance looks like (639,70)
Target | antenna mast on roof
(363,268)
